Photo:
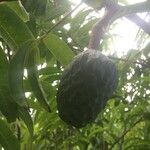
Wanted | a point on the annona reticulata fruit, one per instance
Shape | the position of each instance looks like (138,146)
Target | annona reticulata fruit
(86,85)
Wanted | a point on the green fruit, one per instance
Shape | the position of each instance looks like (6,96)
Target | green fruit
(86,85)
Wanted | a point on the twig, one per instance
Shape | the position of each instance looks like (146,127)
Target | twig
(125,132)
(113,12)
(132,9)
(132,17)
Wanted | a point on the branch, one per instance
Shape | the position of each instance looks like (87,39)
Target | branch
(139,22)
(136,8)
(128,9)
(132,17)
(113,12)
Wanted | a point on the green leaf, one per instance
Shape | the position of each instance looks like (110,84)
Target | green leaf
(3,69)
(81,35)
(7,139)
(33,78)
(36,7)
(17,31)
(49,89)
(34,105)
(32,24)
(16,71)
(8,108)
(59,48)
(51,78)
(49,70)
(17,7)
(146,50)
(25,116)
(7,105)
(12,29)
(78,20)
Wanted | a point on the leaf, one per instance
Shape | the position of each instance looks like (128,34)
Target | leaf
(7,139)
(81,35)
(16,71)
(33,78)
(78,20)
(7,106)
(40,7)
(146,50)
(32,24)
(35,105)
(52,78)
(49,70)
(25,116)
(59,48)
(17,7)
(12,29)
(3,69)
(36,7)
(6,99)
(18,33)
(49,89)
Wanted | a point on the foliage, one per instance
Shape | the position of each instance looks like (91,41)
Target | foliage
(34,50)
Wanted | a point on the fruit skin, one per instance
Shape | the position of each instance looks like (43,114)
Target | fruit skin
(86,85)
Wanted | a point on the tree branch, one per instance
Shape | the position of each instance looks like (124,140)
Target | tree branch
(139,22)
(128,9)
(135,8)
(113,12)
(132,17)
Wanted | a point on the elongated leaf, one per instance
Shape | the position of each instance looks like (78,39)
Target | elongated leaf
(78,20)
(17,7)
(16,71)
(25,116)
(35,105)
(33,78)
(36,7)
(3,69)
(59,48)
(12,29)
(18,33)
(7,106)
(81,35)
(7,139)
(49,70)
(146,50)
